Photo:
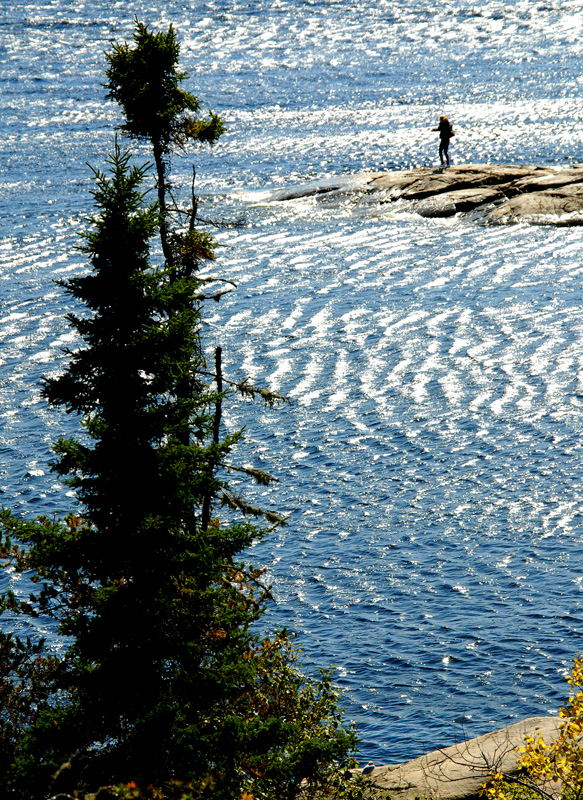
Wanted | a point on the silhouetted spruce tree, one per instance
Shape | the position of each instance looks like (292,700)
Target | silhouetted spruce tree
(162,685)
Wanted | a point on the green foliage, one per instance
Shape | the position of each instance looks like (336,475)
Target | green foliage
(161,689)
(145,81)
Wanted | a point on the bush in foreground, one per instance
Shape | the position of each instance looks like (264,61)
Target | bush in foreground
(554,769)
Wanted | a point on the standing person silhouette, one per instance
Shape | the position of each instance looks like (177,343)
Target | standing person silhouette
(445,134)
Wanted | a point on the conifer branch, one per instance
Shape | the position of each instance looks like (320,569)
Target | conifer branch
(194,202)
(262,477)
(247,390)
(270,398)
(216,279)
(220,224)
(206,509)
(216,297)
(246,577)
(238,504)
(223,224)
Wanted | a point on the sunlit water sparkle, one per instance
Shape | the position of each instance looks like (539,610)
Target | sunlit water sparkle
(431,459)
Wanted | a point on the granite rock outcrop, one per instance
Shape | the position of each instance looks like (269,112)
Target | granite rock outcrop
(458,772)
(505,193)
(495,194)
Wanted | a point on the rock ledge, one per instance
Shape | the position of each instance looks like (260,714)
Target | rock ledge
(459,772)
(505,193)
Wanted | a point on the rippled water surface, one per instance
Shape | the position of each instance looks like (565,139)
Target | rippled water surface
(431,459)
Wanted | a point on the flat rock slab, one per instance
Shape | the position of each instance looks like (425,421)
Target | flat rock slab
(562,206)
(496,194)
(420,183)
(459,772)
(458,200)
(506,193)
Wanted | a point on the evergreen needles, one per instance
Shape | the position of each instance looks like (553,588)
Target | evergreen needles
(161,688)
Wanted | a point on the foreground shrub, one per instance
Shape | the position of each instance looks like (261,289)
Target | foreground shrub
(549,769)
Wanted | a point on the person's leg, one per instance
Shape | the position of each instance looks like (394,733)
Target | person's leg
(446,150)
(441,150)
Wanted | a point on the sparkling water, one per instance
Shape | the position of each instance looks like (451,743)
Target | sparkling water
(430,461)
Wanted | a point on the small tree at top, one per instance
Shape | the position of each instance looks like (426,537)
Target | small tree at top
(146,82)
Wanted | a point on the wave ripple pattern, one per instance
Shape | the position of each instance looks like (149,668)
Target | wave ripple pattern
(431,459)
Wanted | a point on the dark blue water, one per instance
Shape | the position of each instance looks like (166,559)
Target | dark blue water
(431,460)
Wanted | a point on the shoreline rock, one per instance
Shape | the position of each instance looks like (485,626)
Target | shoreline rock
(507,194)
(495,194)
(458,772)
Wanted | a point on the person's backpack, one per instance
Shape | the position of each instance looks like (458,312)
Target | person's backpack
(451,131)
